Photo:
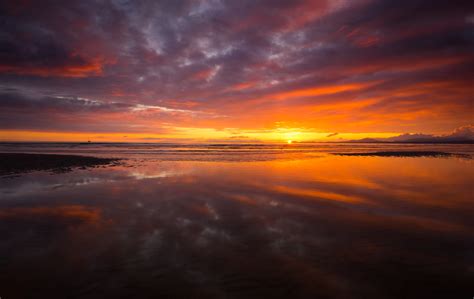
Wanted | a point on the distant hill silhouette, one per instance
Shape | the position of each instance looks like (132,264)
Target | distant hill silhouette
(462,135)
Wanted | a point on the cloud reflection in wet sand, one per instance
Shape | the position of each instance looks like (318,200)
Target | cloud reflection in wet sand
(337,227)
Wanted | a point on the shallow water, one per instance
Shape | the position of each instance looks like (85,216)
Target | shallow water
(224,152)
(268,223)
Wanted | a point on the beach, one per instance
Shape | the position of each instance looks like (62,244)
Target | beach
(207,222)
(236,149)
(15,163)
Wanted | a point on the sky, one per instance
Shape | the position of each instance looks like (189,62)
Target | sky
(234,71)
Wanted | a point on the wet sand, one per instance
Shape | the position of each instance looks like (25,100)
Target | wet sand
(16,163)
(404,154)
(332,227)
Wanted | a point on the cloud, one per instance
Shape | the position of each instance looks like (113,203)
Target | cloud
(461,134)
(327,65)
(332,134)
(464,132)
(66,113)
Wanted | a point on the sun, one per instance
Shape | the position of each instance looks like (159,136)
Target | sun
(290,141)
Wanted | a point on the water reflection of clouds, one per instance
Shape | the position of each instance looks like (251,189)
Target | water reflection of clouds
(154,175)
(64,213)
(310,225)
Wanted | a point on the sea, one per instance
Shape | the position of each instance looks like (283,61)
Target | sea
(299,220)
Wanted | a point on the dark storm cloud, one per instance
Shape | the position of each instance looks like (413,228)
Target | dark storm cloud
(223,57)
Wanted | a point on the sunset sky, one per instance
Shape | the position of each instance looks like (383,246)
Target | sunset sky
(234,71)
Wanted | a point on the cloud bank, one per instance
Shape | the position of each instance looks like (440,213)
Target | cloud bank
(461,134)
(147,66)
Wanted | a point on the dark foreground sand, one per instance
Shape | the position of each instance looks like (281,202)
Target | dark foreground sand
(13,163)
(405,154)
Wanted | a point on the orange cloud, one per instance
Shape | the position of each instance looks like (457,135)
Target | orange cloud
(92,69)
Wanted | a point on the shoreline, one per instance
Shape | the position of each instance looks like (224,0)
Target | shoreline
(18,163)
(404,154)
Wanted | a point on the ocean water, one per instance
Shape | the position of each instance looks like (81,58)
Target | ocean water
(240,221)
(224,152)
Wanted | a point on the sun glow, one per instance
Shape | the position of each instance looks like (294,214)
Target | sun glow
(186,134)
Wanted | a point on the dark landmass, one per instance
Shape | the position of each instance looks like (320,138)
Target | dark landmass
(418,141)
(13,163)
(421,138)
(440,140)
(405,154)
(463,135)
